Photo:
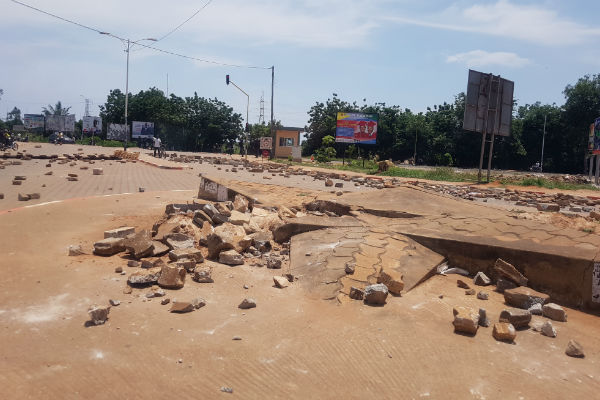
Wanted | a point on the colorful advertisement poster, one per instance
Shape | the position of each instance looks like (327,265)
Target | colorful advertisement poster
(142,129)
(356,128)
(33,121)
(594,138)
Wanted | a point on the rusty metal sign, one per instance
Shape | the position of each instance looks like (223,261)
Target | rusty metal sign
(266,143)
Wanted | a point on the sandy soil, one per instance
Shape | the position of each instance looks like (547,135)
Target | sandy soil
(292,346)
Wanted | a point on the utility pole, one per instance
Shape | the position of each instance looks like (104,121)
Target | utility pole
(415,153)
(272,121)
(543,140)
(126,97)
(228,81)
(167,85)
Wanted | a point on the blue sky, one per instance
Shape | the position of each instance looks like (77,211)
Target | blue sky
(408,53)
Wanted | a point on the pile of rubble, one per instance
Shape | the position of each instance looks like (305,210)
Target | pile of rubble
(126,155)
(538,200)
(193,239)
(524,303)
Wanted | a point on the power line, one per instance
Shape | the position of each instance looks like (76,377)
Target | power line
(140,44)
(184,22)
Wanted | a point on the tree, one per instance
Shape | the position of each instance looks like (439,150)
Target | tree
(14,118)
(58,109)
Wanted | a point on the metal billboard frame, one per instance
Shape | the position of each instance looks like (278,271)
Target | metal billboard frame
(488,110)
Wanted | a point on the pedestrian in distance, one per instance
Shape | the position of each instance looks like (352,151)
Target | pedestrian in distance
(156,146)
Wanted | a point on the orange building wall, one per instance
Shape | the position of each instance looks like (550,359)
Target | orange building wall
(285,151)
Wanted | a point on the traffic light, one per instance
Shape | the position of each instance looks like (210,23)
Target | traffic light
(247,127)
(227,79)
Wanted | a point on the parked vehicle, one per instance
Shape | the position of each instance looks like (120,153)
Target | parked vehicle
(54,138)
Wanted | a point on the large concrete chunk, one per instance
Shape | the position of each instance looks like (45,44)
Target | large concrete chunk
(393,280)
(179,241)
(140,245)
(108,247)
(172,277)
(144,277)
(98,315)
(186,254)
(554,311)
(231,257)
(122,232)
(238,218)
(376,294)
(524,297)
(466,320)
(225,237)
(502,269)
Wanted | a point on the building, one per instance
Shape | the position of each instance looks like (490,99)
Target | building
(287,139)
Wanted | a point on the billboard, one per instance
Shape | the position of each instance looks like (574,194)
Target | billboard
(116,132)
(33,121)
(489,102)
(594,138)
(356,128)
(92,125)
(60,123)
(142,129)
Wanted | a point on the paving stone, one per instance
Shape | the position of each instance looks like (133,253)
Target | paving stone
(392,280)
(504,331)
(109,247)
(524,297)
(356,293)
(519,318)
(481,279)
(555,312)
(98,315)
(203,274)
(483,319)
(122,232)
(177,241)
(466,320)
(139,245)
(172,277)
(231,257)
(186,254)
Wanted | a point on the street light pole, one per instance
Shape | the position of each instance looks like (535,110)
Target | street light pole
(543,140)
(247,112)
(129,44)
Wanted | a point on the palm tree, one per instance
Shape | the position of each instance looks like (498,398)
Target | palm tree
(58,109)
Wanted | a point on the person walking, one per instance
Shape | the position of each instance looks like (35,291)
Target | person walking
(156,145)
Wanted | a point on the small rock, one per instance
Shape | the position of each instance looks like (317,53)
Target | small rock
(548,330)
(504,284)
(198,302)
(133,263)
(118,270)
(554,311)
(141,190)
(273,262)
(461,284)
(465,320)
(114,302)
(328,183)
(392,280)
(350,267)
(203,274)
(376,294)
(535,309)
(75,250)
(508,271)
(504,331)
(127,290)
(483,319)
(231,257)
(524,297)
(225,389)
(519,318)
(97,171)
(98,315)
(574,349)
(481,279)
(164,301)
(483,296)
(172,277)
(356,293)
(281,282)
(236,338)
(182,307)
(247,303)
(122,232)
(470,292)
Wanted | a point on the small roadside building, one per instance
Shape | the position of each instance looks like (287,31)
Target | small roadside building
(287,141)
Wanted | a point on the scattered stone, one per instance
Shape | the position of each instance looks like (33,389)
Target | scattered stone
(281,282)
(155,292)
(141,190)
(165,301)
(23,197)
(122,232)
(508,271)
(140,245)
(186,254)
(481,279)
(75,250)
(465,320)
(503,284)
(483,295)
(535,309)
(48,173)
(519,318)
(16,182)
(98,315)
(108,247)
(114,302)
(548,330)
(226,389)
(179,241)
(524,297)
(247,303)
(548,207)
(461,284)
(574,349)
(152,263)
(339,185)
(34,196)
(198,302)
(504,331)
(376,294)
(555,312)
(133,263)
(118,270)
(144,277)
(328,183)
(483,319)
(225,237)
(350,267)
(231,257)
(97,171)
(238,218)
(236,338)
(356,293)
(182,307)
(159,249)
(203,275)
(172,277)
(392,280)
(127,290)
(470,292)
(240,204)
(273,262)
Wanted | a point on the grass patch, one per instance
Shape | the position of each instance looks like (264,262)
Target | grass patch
(547,183)
(437,174)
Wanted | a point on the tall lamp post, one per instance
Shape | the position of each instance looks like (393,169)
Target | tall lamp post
(228,81)
(129,43)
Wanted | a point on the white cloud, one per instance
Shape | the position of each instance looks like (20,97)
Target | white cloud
(531,23)
(482,58)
